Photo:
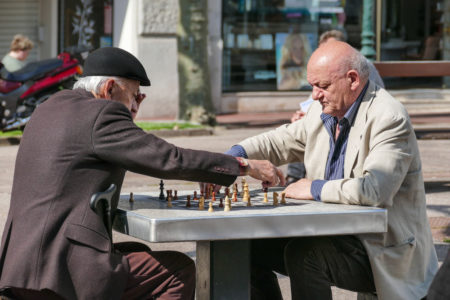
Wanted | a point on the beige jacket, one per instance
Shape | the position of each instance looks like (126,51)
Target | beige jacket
(382,168)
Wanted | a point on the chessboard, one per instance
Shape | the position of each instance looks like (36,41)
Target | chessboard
(209,203)
(181,200)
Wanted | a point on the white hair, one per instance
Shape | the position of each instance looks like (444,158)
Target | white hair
(356,61)
(94,83)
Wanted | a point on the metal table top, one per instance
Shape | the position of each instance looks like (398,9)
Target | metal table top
(149,218)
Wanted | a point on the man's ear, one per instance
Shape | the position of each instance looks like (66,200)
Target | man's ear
(106,89)
(354,79)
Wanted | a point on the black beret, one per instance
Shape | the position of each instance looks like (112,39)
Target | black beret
(112,61)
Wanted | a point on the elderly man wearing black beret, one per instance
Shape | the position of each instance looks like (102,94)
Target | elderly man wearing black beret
(54,246)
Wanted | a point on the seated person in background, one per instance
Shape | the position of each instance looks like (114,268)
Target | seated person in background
(17,56)
(54,246)
(296,170)
(359,147)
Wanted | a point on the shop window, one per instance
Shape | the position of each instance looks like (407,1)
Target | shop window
(85,24)
(267,43)
(412,31)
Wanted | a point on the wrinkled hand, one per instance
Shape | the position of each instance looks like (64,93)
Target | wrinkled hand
(297,116)
(265,171)
(299,190)
(207,186)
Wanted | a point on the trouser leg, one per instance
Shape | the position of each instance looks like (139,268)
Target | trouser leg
(314,264)
(160,275)
(267,257)
(25,294)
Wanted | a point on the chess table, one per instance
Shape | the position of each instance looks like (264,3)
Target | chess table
(223,238)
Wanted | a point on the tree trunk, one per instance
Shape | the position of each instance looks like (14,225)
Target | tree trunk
(192,37)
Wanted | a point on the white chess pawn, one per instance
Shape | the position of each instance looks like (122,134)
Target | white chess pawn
(210,209)
(227,204)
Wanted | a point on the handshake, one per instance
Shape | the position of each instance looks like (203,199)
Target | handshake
(262,170)
(270,175)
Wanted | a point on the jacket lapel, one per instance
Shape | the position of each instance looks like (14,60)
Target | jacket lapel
(356,130)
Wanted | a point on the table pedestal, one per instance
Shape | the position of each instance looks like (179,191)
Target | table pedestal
(223,270)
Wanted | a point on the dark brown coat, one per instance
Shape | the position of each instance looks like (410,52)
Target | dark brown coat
(74,146)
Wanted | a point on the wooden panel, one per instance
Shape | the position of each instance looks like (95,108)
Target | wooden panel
(424,68)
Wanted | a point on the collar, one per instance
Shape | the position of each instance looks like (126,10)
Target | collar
(350,115)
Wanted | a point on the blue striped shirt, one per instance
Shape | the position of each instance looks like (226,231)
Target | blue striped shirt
(336,157)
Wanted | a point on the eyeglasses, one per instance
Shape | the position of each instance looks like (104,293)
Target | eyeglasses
(139,97)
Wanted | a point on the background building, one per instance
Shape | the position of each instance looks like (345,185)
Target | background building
(257,49)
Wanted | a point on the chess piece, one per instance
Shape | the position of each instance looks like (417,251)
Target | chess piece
(175,197)
(283,198)
(235,196)
(227,192)
(161,188)
(246,192)
(221,202)
(169,193)
(210,209)
(275,199)
(213,196)
(243,182)
(227,204)
(206,192)
(211,191)
(201,203)
(169,201)
(249,203)
(195,195)
(235,188)
(265,195)
(131,197)
(188,203)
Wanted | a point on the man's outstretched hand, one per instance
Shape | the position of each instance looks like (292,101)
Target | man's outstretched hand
(265,171)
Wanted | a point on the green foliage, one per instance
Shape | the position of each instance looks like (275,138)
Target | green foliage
(172,125)
(147,126)
(11,133)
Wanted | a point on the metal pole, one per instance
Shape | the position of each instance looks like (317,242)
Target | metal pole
(378,30)
(368,34)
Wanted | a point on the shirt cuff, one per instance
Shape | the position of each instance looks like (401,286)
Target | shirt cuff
(237,151)
(316,188)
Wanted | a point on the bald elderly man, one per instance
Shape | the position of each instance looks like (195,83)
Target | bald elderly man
(359,148)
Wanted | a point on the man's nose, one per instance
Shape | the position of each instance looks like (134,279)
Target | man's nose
(316,93)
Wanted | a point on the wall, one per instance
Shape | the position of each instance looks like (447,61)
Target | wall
(48,29)
(147,28)
(260,102)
